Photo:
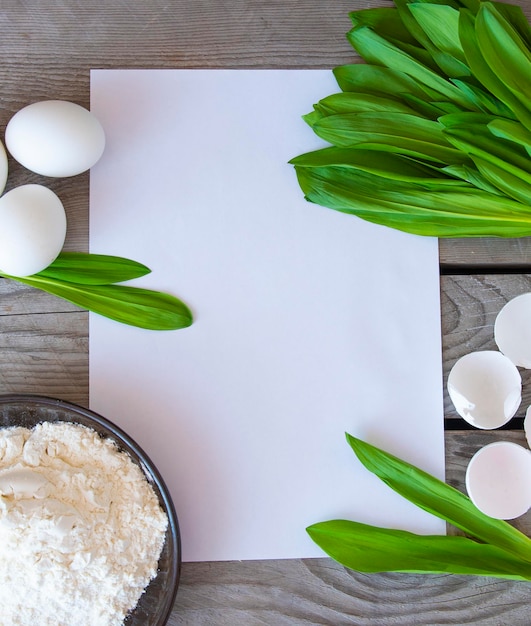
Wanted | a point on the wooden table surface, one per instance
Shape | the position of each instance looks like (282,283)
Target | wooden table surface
(46,51)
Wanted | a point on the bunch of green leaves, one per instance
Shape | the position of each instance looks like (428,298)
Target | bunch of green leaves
(89,281)
(492,547)
(432,134)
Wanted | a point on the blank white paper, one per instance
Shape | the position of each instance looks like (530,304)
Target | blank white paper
(309,323)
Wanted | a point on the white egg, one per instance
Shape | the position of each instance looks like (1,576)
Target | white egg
(32,229)
(498,480)
(55,138)
(3,168)
(485,388)
(512,330)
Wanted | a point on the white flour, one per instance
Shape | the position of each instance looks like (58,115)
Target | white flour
(81,529)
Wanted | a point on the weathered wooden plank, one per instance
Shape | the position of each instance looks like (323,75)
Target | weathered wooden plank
(43,344)
(485,252)
(46,354)
(179,33)
(19,299)
(320,592)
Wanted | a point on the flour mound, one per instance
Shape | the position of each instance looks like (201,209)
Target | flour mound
(81,529)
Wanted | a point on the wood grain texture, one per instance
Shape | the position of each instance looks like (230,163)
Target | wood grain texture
(320,592)
(457,254)
(47,51)
(469,306)
(43,344)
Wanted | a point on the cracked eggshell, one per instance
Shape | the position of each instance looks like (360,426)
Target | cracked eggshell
(512,330)
(32,229)
(498,480)
(485,388)
(55,138)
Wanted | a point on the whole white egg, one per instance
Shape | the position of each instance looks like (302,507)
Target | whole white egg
(55,138)
(32,229)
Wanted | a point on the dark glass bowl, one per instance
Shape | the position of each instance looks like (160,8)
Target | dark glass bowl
(155,604)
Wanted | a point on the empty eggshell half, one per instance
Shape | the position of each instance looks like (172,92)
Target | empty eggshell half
(55,138)
(485,388)
(512,330)
(32,229)
(498,480)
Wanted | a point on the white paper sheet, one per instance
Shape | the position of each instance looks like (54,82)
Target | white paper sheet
(309,322)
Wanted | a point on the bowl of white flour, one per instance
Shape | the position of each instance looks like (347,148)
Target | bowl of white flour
(88,530)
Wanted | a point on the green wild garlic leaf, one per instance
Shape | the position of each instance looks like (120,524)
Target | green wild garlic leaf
(493,547)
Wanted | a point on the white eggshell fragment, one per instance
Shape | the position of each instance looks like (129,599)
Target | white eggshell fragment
(3,168)
(512,330)
(32,229)
(485,388)
(55,138)
(527,426)
(498,480)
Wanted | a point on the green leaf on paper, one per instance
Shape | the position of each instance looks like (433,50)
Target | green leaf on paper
(372,549)
(493,548)
(395,132)
(432,211)
(346,102)
(394,167)
(445,84)
(440,499)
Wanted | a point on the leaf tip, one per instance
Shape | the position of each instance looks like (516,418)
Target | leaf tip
(314,530)
(351,440)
